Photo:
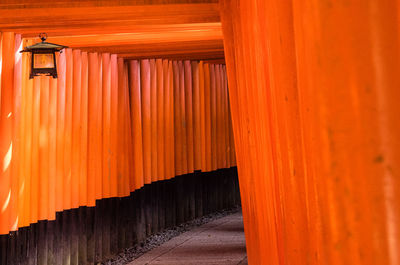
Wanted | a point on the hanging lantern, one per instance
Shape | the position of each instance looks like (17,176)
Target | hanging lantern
(43,57)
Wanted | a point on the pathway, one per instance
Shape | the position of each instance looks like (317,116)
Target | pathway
(220,242)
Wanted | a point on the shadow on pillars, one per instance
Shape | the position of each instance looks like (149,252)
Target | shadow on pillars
(90,235)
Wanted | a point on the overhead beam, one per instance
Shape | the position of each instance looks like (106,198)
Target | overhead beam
(195,32)
(180,29)
(102,20)
(184,46)
(15,4)
(199,55)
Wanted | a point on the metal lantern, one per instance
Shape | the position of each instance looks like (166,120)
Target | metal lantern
(43,57)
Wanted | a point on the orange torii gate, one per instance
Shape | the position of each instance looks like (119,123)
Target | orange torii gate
(313,88)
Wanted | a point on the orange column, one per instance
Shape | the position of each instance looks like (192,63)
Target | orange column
(189,116)
(153,118)
(26,138)
(351,110)
(177,122)
(52,148)
(68,129)
(316,128)
(171,114)
(17,179)
(35,180)
(43,191)
(7,87)
(218,115)
(145,82)
(160,120)
(213,106)
(224,119)
(83,174)
(61,67)
(202,116)
(76,124)
(106,107)
(196,116)
(183,125)
(122,127)
(207,118)
(136,117)
(129,182)
(252,135)
(94,183)
(169,119)
(115,77)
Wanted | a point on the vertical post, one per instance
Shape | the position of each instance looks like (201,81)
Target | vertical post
(6,108)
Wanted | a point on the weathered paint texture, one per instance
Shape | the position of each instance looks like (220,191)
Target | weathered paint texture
(314,92)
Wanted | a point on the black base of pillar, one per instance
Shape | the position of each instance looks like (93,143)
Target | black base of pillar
(90,235)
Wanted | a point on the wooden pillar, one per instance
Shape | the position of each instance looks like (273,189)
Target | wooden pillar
(313,88)
(6,108)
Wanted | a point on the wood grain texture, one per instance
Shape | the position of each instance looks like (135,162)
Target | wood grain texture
(312,87)
(131,29)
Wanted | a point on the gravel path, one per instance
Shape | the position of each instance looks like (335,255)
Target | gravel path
(156,240)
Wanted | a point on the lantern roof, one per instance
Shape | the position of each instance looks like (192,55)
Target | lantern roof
(44,46)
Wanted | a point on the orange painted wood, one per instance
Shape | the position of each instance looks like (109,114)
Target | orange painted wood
(83,132)
(106,107)
(122,158)
(114,190)
(76,125)
(63,121)
(7,87)
(218,116)
(153,120)
(189,115)
(314,124)
(129,184)
(128,145)
(14,171)
(136,117)
(89,3)
(210,32)
(169,120)
(68,20)
(17,181)
(224,120)
(184,122)
(43,202)
(160,120)
(34,202)
(94,134)
(207,113)
(213,106)
(52,163)
(196,116)
(177,122)
(26,147)
(60,129)
(202,116)
(68,129)
(146,120)
(171,115)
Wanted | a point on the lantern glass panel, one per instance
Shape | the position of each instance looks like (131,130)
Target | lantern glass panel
(43,60)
